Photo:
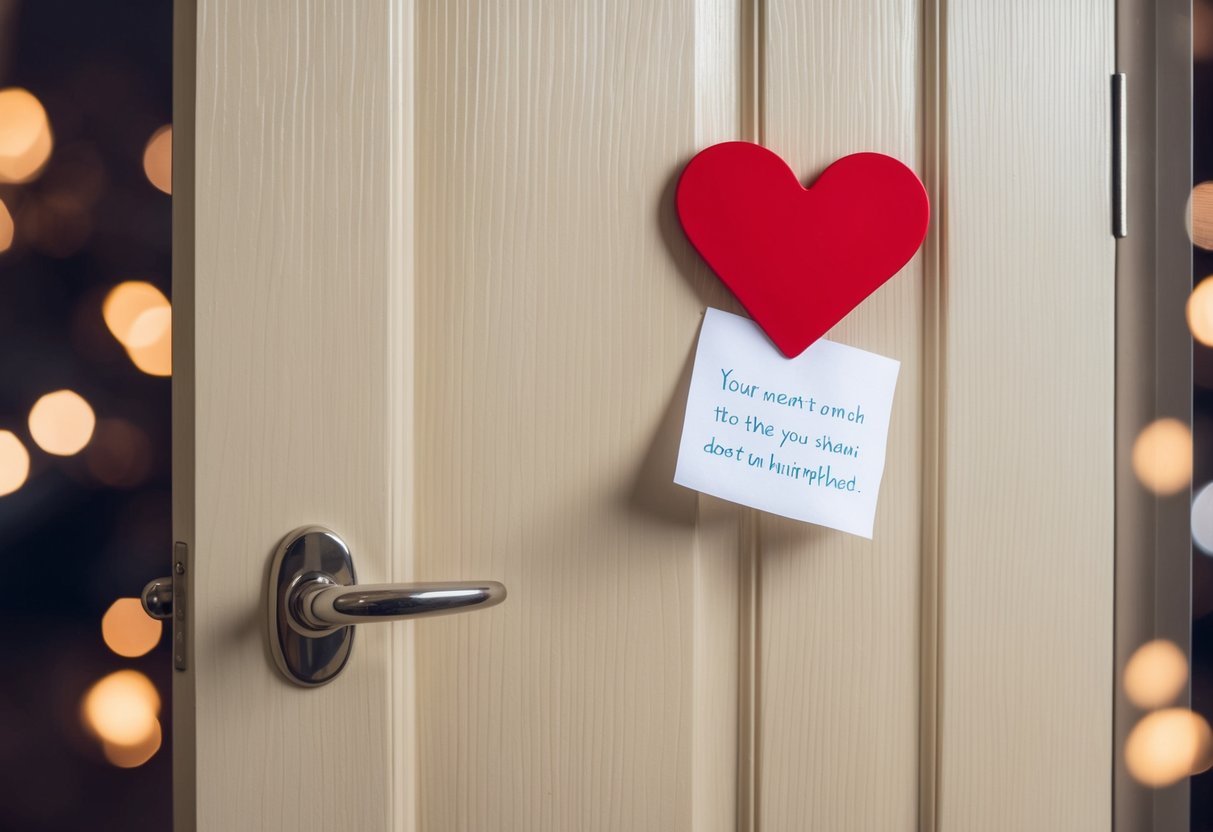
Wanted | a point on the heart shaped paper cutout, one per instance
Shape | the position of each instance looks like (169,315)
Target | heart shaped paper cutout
(799,259)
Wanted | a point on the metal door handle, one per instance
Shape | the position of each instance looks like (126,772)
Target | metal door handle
(314,601)
(321,605)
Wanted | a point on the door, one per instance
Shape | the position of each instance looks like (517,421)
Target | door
(432,294)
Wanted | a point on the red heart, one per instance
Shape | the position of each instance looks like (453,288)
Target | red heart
(799,259)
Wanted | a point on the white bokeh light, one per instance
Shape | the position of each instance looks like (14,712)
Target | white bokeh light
(1202,519)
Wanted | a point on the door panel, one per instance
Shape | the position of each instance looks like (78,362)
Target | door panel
(557,308)
(431,292)
(1027,515)
(839,614)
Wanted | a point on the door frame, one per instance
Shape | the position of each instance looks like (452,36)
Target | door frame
(185,51)
(1153,371)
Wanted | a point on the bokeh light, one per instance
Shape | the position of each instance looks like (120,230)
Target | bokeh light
(155,358)
(1155,674)
(25,136)
(122,708)
(1200,215)
(1168,745)
(128,630)
(1202,519)
(125,303)
(14,463)
(1200,312)
(1162,456)
(158,159)
(6,227)
(150,327)
(61,422)
(133,756)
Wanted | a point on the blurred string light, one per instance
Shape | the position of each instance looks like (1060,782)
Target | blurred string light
(1155,674)
(1202,519)
(1168,745)
(122,708)
(25,136)
(150,327)
(132,756)
(128,630)
(1200,312)
(1200,215)
(125,303)
(151,348)
(61,422)
(158,159)
(140,317)
(1162,456)
(14,463)
(6,227)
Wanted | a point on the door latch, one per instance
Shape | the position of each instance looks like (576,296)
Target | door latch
(165,598)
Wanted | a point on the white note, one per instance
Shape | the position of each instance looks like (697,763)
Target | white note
(802,437)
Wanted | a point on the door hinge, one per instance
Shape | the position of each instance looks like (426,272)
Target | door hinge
(1120,194)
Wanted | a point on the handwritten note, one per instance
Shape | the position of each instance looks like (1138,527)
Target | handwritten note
(802,437)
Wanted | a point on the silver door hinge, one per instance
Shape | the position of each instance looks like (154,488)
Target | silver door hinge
(1120,194)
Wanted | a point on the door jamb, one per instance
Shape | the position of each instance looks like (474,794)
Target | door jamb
(1153,370)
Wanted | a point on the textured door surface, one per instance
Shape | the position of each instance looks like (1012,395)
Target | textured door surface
(431,293)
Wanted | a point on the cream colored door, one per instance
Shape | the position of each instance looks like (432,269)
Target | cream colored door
(431,293)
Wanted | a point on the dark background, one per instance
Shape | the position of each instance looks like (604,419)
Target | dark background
(70,544)
(1202,412)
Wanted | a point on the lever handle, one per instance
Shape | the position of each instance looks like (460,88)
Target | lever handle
(321,605)
(315,601)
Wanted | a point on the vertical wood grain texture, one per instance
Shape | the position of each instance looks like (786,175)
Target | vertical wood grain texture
(840,615)
(295,392)
(400,386)
(557,307)
(442,304)
(1027,629)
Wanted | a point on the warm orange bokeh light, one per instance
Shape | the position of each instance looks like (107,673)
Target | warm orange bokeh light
(141,318)
(1155,674)
(1200,312)
(133,756)
(155,358)
(1162,456)
(128,630)
(61,422)
(25,136)
(7,228)
(125,303)
(14,463)
(122,708)
(151,326)
(158,159)
(1167,746)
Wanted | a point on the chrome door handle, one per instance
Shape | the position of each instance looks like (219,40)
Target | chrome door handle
(321,605)
(314,601)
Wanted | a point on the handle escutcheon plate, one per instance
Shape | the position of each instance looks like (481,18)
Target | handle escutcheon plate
(308,656)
